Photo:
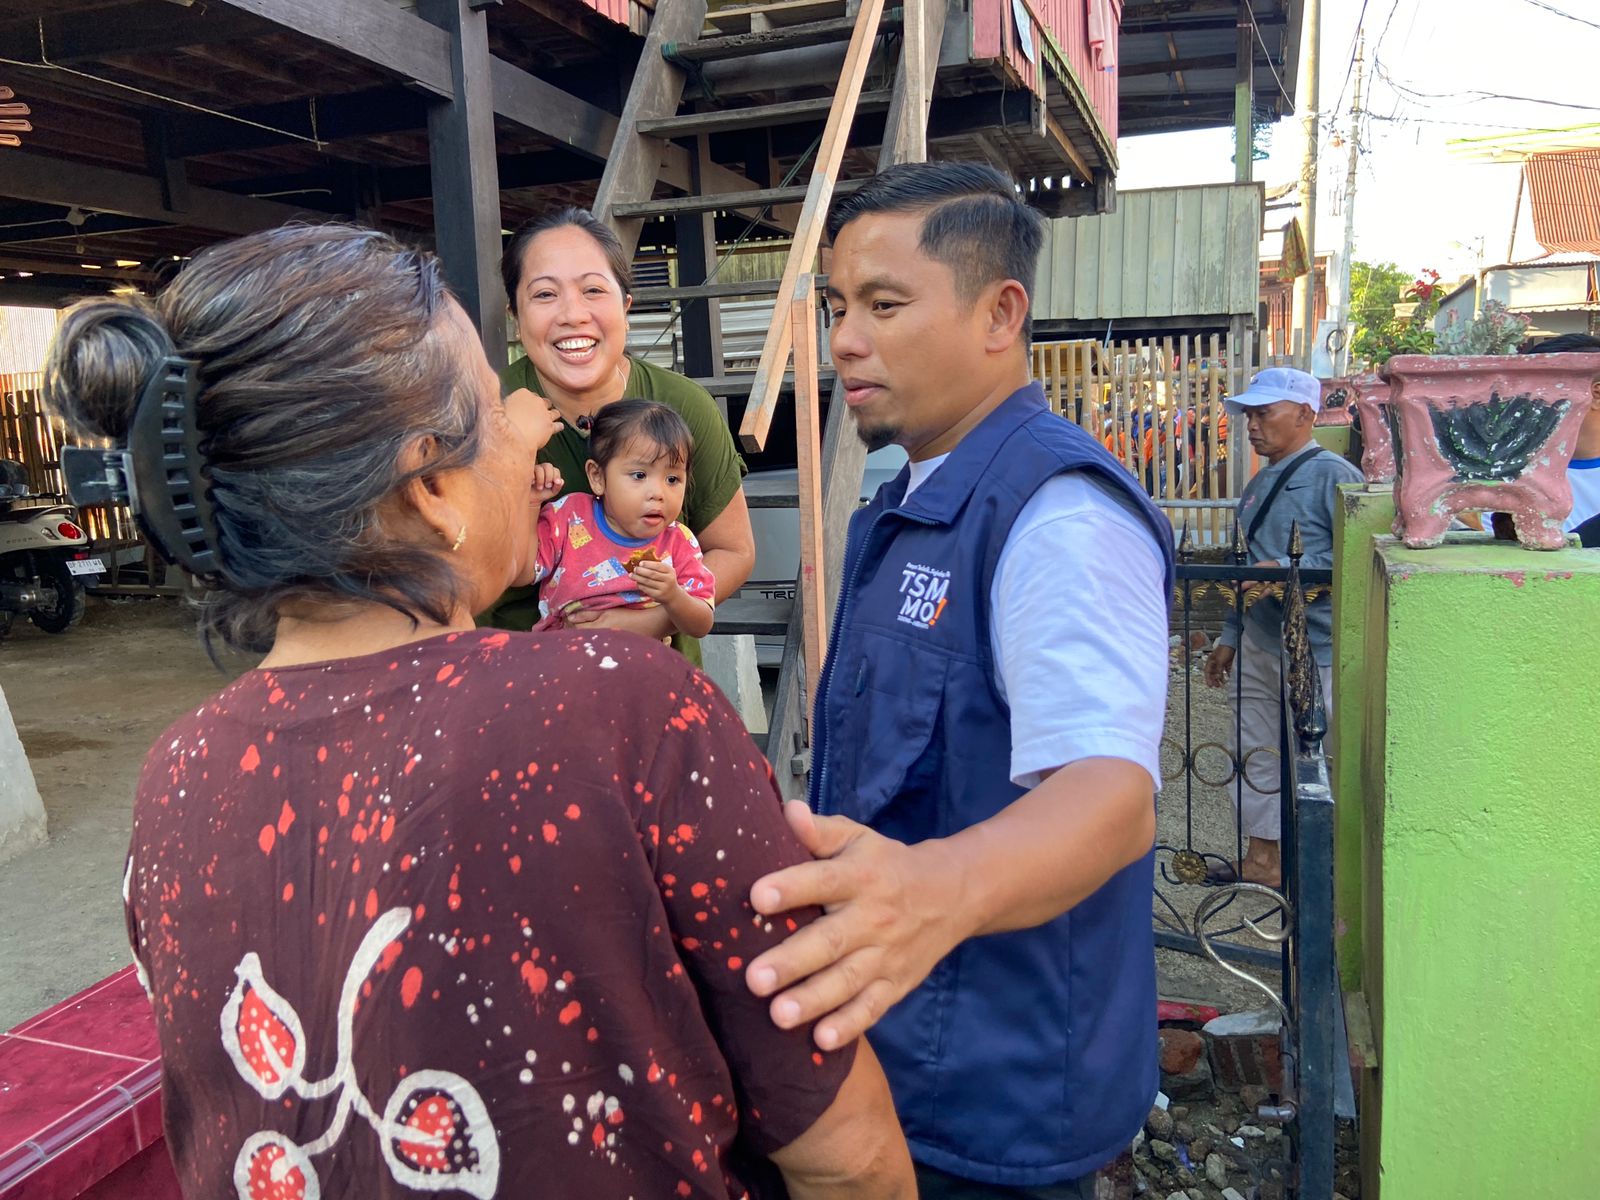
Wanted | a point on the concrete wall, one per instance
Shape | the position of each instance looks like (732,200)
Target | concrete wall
(1364,511)
(22,821)
(1482,962)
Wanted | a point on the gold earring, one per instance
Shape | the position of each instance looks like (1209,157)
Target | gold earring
(460,537)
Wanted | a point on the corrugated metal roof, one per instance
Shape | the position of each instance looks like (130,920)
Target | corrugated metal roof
(1564,198)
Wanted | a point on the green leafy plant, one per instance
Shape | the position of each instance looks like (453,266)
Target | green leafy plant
(1375,292)
(1496,330)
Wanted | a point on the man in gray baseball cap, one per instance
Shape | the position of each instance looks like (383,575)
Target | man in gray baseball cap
(1294,486)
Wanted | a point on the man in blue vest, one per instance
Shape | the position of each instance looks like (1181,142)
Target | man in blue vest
(987,726)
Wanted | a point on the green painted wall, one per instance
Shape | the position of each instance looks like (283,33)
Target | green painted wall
(1484,967)
(1364,512)
(1333,437)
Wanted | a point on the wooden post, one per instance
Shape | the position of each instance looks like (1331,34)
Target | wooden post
(1239,363)
(697,258)
(1244,97)
(808,424)
(466,177)
(918,75)
(635,161)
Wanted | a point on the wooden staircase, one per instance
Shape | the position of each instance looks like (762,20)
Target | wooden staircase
(829,481)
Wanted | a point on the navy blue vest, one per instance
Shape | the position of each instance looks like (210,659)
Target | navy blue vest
(1025,1058)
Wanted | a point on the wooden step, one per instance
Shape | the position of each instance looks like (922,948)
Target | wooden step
(677,206)
(783,12)
(760,617)
(705,291)
(739,384)
(763,41)
(712,291)
(759,116)
(778,493)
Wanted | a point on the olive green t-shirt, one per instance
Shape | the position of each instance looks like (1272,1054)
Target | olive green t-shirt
(715,471)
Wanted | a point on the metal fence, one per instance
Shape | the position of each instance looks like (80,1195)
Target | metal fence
(1197,908)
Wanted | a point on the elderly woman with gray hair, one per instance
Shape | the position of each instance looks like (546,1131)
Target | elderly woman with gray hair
(420,907)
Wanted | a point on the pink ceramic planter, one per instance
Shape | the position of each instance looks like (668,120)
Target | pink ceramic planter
(1371,393)
(1490,432)
(1338,401)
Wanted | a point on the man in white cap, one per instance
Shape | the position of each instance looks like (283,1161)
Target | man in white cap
(1295,487)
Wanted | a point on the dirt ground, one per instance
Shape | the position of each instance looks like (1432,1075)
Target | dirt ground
(89,703)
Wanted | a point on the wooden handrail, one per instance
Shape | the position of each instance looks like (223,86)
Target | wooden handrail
(808,228)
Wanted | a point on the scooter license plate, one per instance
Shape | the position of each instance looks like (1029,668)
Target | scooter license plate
(85,566)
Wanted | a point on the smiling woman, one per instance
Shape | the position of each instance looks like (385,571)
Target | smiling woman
(569,286)
(395,894)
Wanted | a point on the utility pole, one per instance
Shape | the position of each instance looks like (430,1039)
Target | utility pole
(1305,292)
(1345,315)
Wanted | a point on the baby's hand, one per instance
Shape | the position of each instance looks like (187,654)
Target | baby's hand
(547,483)
(657,580)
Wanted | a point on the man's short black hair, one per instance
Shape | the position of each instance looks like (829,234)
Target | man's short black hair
(975,223)
(1566,343)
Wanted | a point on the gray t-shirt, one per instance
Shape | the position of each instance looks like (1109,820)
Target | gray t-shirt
(1307,499)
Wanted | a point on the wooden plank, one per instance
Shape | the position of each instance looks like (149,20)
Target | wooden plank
(48,180)
(917,74)
(717,201)
(1187,263)
(634,162)
(767,16)
(1085,386)
(1086,266)
(1108,281)
(1244,237)
(1134,208)
(1241,357)
(388,36)
(128,29)
(844,458)
(1056,402)
(738,615)
(1171,414)
(374,31)
(1214,248)
(789,112)
(1163,244)
(808,231)
(466,181)
(704,291)
(1062,270)
(808,439)
(764,41)
(1205,374)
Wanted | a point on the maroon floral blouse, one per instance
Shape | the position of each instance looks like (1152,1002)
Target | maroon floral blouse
(470,916)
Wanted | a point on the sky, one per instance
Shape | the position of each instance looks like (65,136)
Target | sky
(1417,204)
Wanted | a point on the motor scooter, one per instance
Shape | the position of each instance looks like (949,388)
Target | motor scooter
(44,557)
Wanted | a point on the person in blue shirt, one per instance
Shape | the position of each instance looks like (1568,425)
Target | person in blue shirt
(986,735)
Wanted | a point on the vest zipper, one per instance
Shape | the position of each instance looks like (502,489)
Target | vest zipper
(818,724)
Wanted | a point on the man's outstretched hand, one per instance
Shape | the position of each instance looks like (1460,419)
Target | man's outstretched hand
(890,913)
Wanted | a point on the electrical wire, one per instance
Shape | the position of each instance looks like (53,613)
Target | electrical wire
(1249,11)
(1473,95)
(1561,12)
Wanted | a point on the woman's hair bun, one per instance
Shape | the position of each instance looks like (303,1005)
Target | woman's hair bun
(103,355)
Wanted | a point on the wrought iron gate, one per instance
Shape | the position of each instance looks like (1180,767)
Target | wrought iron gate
(1296,918)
